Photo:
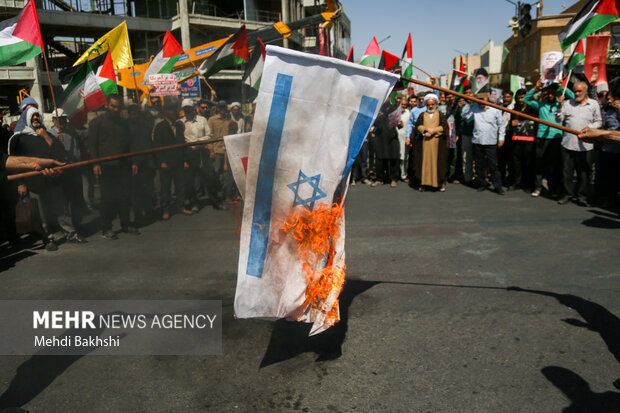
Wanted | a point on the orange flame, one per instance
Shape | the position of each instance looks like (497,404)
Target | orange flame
(316,232)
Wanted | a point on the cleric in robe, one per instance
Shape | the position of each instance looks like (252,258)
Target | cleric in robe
(430,146)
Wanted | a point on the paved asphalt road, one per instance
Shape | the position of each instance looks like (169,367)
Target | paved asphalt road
(429,321)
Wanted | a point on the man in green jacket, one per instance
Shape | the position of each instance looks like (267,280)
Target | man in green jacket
(548,144)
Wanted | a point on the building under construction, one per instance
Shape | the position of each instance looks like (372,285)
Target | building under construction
(69,27)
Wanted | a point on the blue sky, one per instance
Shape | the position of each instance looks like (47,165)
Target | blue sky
(437,27)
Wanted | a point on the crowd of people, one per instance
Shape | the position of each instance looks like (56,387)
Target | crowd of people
(439,139)
(136,189)
(434,139)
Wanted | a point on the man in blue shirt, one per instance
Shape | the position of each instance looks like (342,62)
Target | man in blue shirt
(489,132)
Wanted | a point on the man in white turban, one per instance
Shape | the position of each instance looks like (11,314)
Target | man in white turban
(430,147)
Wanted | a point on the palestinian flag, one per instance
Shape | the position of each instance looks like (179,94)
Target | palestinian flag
(407,57)
(106,77)
(595,15)
(20,37)
(82,95)
(166,58)
(391,63)
(232,53)
(350,56)
(577,57)
(254,69)
(459,79)
(372,53)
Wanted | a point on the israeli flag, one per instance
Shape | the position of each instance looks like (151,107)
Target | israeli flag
(312,116)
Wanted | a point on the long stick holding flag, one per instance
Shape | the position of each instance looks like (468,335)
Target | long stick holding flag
(493,105)
(114,157)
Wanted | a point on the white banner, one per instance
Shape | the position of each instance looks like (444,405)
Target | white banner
(551,67)
(165,84)
(312,116)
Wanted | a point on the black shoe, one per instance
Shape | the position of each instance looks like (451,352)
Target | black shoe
(131,231)
(482,188)
(74,238)
(109,235)
(582,203)
(51,246)
(563,201)
(499,191)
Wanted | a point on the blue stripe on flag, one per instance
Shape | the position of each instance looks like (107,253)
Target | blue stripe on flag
(261,220)
(362,124)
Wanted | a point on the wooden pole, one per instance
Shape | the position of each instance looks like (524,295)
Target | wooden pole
(49,79)
(415,67)
(493,105)
(114,157)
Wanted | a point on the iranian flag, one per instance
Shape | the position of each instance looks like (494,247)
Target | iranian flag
(106,77)
(82,95)
(595,15)
(372,53)
(254,70)
(232,53)
(166,58)
(20,37)
(577,57)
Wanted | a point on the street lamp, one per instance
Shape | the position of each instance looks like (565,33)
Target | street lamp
(389,36)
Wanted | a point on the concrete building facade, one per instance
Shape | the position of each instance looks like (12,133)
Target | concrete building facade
(69,27)
(525,53)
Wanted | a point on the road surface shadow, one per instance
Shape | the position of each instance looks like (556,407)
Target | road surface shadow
(290,338)
(597,318)
(577,390)
(602,220)
(35,374)
(13,257)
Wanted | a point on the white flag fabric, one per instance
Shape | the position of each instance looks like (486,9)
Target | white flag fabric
(237,149)
(312,116)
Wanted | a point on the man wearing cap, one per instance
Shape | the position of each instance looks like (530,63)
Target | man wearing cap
(489,133)
(237,116)
(196,129)
(171,163)
(108,135)
(215,164)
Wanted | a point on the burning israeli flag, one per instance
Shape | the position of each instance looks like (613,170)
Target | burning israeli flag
(312,116)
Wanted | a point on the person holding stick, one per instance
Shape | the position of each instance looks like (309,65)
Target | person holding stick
(34,140)
(578,156)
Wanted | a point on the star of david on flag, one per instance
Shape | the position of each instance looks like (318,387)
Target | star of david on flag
(313,182)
